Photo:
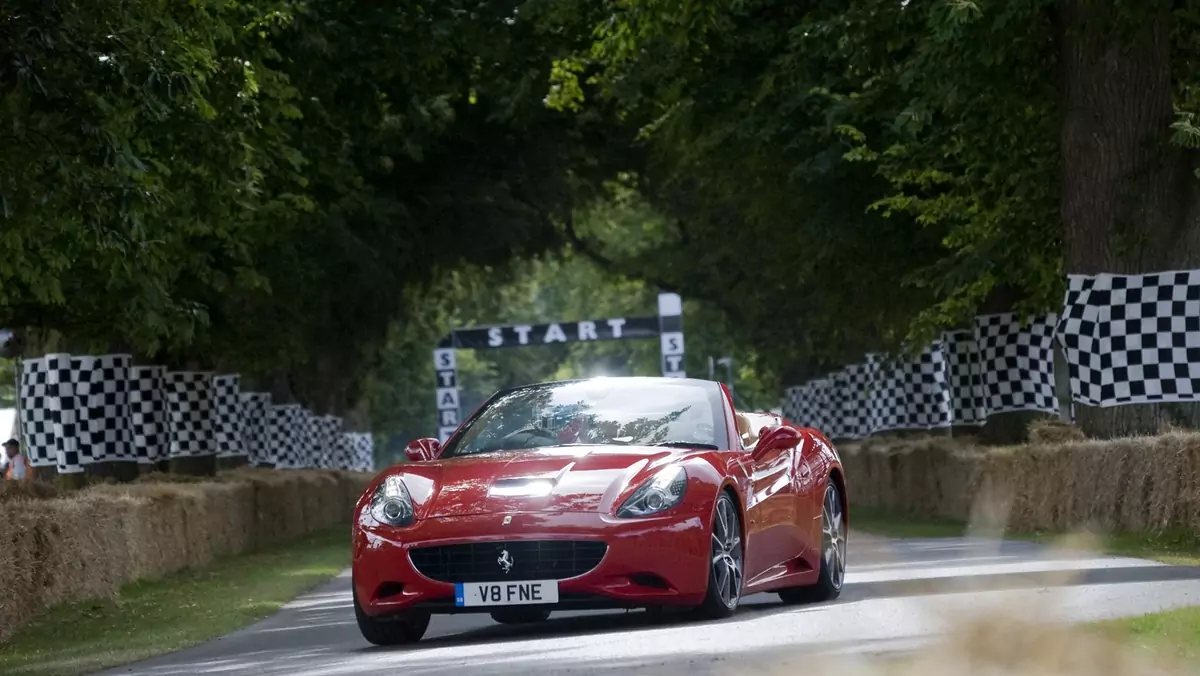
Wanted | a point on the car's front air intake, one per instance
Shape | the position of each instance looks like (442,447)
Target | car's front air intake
(516,560)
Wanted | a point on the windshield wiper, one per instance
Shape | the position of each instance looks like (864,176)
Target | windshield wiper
(686,444)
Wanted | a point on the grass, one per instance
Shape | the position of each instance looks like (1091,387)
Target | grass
(155,617)
(1177,546)
(889,524)
(1174,634)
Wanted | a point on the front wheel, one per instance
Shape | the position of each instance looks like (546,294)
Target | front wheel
(519,615)
(392,631)
(833,554)
(725,569)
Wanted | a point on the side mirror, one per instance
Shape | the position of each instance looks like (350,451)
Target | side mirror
(775,438)
(422,450)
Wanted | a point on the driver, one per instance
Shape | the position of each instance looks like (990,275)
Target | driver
(563,424)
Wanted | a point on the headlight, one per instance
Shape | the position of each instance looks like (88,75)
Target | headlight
(391,503)
(659,494)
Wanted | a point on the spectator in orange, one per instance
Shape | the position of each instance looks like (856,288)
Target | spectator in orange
(18,466)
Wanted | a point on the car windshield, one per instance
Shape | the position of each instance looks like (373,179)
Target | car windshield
(618,411)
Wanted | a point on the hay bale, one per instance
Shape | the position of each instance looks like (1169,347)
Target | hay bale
(91,542)
(21,490)
(1054,431)
(1132,484)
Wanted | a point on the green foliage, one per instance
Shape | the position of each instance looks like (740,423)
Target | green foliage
(8,385)
(862,174)
(566,287)
(267,186)
(313,193)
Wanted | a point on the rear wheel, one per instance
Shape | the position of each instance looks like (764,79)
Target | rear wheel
(393,631)
(726,561)
(833,554)
(519,615)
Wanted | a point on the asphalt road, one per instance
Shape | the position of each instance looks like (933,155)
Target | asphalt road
(898,594)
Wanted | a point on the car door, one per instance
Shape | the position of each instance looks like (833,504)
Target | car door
(773,533)
(805,494)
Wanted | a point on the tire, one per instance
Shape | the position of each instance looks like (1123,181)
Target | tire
(727,561)
(392,631)
(833,554)
(520,615)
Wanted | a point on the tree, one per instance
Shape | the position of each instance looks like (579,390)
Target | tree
(564,286)
(988,148)
(265,187)
(8,385)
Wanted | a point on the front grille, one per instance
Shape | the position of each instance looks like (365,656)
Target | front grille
(530,560)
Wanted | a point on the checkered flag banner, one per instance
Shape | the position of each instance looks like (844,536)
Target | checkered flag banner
(306,439)
(48,413)
(75,411)
(37,418)
(283,435)
(1132,339)
(78,410)
(102,408)
(316,432)
(255,423)
(227,416)
(362,447)
(190,412)
(800,407)
(330,430)
(887,402)
(927,389)
(822,394)
(836,400)
(148,413)
(1017,362)
(63,409)
(884,394)
(343,455)
(854,382)
(968,395)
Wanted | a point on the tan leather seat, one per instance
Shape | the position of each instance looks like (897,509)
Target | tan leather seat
(746,430)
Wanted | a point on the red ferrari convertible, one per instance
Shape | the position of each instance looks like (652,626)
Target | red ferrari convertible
(600,493)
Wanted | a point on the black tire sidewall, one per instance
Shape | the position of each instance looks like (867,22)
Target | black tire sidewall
(387,634)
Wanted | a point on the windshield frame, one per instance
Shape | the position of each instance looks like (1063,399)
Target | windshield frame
(716,398)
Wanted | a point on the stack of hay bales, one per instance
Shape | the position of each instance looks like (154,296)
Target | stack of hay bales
(1140,484)
(89,543)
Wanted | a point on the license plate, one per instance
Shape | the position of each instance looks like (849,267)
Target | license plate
(505,593)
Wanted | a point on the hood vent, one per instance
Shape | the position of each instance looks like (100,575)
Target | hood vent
(521,488)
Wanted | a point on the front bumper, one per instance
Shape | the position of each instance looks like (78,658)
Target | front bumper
(649,562)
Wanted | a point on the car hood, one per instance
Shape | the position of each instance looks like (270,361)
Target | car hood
(558,479)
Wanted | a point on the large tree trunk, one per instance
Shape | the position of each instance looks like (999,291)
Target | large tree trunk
(1129,198)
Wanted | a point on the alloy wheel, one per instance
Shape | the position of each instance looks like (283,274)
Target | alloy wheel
(727,553)
(834,537)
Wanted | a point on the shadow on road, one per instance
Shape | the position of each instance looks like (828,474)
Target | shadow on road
(1012,581)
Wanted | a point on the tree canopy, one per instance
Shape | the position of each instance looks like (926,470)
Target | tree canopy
(306,190)
(875,171)
(267,186)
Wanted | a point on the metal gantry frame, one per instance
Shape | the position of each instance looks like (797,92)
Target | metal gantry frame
(667,326)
